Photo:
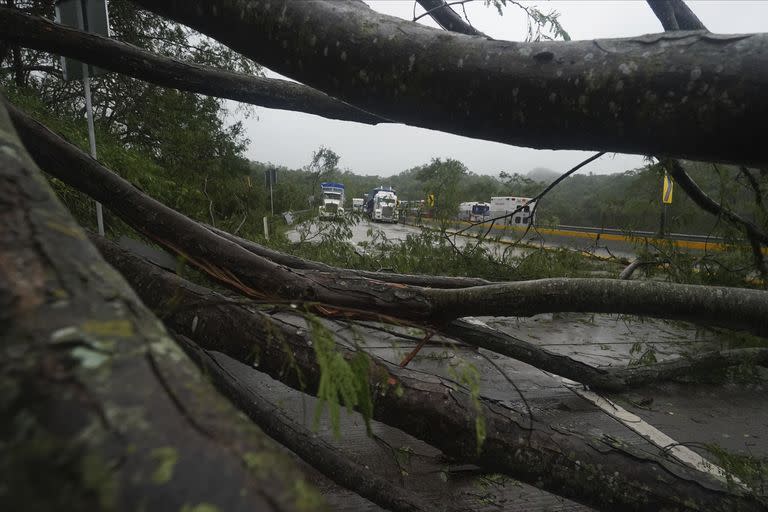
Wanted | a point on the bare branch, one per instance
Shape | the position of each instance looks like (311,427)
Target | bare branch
(675,15)
(39,33)
(446,17)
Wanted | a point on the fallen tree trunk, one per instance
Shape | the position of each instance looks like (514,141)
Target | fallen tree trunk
(692,95)
(596,471)
(41,34)
(258,277)
(102,411)
(477,333)
(306,444)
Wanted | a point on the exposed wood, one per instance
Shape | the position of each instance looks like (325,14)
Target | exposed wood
(41,34)
(689,94)
(259,277)
(594,470)
(101,410)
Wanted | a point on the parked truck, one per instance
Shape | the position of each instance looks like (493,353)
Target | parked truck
(332,200)
(381,205)
(357,204)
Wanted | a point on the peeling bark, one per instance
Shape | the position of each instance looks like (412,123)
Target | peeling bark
(597,471)
(258,277)
(690,94)
(101,410)
(41,34)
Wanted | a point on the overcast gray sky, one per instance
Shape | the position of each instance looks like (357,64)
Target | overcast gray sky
(289,138)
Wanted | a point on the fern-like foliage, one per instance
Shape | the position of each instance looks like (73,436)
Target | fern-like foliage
(343,382)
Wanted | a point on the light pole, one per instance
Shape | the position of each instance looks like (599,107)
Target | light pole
(89,16)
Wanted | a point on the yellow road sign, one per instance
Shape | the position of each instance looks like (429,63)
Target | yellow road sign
(669,185)
(431,199)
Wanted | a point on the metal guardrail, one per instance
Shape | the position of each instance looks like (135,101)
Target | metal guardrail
(640,234)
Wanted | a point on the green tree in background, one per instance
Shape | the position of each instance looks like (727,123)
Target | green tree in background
(441,178)
(178,146)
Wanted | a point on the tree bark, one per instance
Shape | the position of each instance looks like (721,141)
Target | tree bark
(595,471)
(690,95)
(675,15)
(447,18)
(41,34)
(477,333)
(307,444)
(259,277)
(102,411)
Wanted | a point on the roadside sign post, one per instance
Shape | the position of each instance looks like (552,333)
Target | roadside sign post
(270,176)
(89,16)
(666,199)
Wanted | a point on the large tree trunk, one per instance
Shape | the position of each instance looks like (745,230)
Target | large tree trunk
(596,471)
(41,34)
(101,410)
(338,467)
(259,277)
(691,95)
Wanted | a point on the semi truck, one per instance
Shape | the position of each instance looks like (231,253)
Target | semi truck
(357,204)
(381,205)
(332,200)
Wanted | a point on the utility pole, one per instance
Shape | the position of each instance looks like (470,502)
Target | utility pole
(270,176)
(92,139)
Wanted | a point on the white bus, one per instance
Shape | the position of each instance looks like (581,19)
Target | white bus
(507,204)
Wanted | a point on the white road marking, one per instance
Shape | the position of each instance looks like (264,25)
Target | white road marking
(652,434)
(655,436)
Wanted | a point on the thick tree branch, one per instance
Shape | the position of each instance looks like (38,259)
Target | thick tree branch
(477,333)
(41,34)
(256,276)
(668,13)
(330,461)
(657,94)
(101,410)
(675,15)
(593,470)
(447,18)
(26,69)
(665,12)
